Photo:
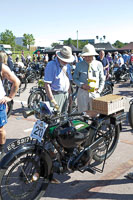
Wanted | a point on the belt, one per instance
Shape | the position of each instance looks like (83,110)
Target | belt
(58,92)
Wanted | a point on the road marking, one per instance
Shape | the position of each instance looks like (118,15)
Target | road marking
(28,130)
(18,101)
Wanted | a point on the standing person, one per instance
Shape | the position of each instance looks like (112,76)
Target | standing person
(88,73)
(5,73)
(80,57)
(10,62)
(22,57)
(57,79)
(120,61)
(104,62)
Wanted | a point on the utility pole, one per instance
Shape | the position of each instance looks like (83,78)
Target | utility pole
(77,39)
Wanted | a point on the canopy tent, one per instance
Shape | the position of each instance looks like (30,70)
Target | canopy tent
(104,46)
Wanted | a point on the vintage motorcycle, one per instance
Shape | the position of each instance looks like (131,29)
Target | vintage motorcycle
(28,166)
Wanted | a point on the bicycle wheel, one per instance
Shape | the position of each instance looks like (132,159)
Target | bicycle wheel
(130,115)
(111,134)
(35,99)
(22,179)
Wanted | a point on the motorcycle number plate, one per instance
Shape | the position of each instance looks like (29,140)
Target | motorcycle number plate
(16,143)
(38,130)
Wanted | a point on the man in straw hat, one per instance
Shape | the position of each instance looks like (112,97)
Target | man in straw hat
(89,77)
(57,79)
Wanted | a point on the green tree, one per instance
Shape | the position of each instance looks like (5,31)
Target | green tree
(54,44)
(119,44)
(68,42)
(28,40)
(81,44)
(7,37)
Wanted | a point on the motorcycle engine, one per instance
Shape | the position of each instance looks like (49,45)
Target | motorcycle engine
(70,137)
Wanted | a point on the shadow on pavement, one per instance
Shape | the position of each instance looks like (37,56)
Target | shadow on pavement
(90,189)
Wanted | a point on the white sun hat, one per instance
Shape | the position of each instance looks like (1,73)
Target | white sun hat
(89,50)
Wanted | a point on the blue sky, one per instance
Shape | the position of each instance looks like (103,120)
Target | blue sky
(50,21)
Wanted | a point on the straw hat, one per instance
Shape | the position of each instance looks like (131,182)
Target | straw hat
(89,50)
(65,54)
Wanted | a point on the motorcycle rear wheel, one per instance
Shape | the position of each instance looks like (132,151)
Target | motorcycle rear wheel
(17,180)
(111,134)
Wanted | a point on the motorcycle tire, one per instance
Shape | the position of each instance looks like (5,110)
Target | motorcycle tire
(32,77)
(35,98)
(17,178)
(111,133)
(130,115)
(9,108)
(23,84)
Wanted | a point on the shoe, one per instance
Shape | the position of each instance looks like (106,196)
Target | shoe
(55,181)
(129,175)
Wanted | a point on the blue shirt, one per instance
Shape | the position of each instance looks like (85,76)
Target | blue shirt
(55,76)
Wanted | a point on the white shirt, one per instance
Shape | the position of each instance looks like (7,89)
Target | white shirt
(2,91)
(120,61)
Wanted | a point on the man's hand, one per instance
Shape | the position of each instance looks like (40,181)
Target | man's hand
(5,100)
(86,87)
(55,104)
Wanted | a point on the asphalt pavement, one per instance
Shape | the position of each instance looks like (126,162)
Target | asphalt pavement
(111,184)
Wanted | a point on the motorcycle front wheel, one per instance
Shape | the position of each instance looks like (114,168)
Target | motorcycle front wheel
(23,84)
(35,98)
(110,132)
(22,179)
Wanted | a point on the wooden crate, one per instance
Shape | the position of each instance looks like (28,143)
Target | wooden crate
(108,104)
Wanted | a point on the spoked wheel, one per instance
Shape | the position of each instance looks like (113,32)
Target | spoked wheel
(111,134)
(35,99)
(22,179)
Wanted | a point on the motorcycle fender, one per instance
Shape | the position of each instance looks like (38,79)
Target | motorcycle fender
(118,118)
(11,156)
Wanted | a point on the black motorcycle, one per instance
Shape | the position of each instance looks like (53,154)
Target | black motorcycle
(108,87)
(28,167)
(37,94)
(121,73)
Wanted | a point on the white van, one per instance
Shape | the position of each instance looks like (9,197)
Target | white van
(6,48)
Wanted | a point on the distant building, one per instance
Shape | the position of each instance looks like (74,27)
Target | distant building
(91,41)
